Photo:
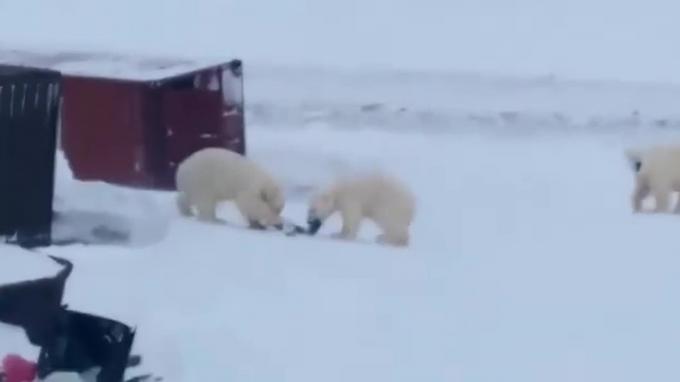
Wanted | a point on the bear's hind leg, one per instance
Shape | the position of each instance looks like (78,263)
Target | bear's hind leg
(398,240)
(662,197)
(677,206)
(639,194)
(351,222)
(393,234)
(183,204)
(207,211)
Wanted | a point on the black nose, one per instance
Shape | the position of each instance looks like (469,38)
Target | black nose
(313,225)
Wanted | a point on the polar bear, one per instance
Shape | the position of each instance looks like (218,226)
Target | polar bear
(375,196)
(657,172)
(212,175)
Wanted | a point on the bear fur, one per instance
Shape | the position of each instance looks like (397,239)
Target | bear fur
(378,197)
(212,175)
(657,173)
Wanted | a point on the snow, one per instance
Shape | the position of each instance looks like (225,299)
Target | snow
(464,102)
(526,264)
(18,265)
(15,341)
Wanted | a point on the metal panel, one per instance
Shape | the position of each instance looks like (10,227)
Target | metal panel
(199,111)
(29,107)
(103,131)
(192,121)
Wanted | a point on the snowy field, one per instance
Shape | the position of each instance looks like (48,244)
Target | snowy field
(526,264)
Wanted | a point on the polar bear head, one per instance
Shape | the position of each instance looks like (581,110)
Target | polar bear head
(321,206)
(634,158)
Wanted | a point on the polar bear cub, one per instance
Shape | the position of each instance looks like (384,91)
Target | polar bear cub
(212,175)
(378,197)
(657,172)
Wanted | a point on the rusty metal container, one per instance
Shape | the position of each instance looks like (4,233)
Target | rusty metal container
(131,120)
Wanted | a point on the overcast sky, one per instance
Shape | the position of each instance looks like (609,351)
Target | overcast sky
(632,39)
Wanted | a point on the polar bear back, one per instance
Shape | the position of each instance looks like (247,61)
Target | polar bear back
(223,173)
(379,196)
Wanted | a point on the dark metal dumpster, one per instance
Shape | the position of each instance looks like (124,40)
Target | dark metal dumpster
(29,108)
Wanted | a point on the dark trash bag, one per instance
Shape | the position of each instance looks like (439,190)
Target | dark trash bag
(69,341)
(84,341)
(35,305)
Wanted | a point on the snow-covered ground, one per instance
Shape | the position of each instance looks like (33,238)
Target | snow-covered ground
(526,263)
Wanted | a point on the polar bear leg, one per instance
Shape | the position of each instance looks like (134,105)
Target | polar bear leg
(393,234)
(207,210)
(677,207)
(183,204)
(662,197)
(639,194)
(351,222)
(396,239)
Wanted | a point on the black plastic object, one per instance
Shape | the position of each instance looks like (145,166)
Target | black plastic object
(69,341)
(35,305)
(85,341)
(29,110)
(313,226)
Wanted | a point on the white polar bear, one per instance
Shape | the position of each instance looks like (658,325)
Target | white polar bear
(657,172)
(378,197)
(212,175)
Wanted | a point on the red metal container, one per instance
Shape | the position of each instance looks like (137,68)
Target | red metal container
(130,121)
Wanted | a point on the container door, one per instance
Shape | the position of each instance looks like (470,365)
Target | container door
(103,133)
(233,120)
(199,111)
(28,120)
(191,121)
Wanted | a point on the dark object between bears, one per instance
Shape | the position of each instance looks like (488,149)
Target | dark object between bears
(288,228)
(313,226)
(29,108)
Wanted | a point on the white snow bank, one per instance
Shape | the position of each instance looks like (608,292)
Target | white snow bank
(518,245)
(18,264)
(460,102)
(83,211)
(13,340)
